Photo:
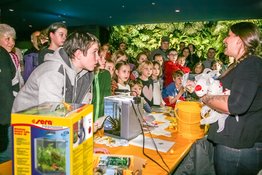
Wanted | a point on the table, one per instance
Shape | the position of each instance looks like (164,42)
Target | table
(6,168)
(172,158)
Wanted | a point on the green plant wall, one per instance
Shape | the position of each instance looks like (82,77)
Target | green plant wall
(202,34)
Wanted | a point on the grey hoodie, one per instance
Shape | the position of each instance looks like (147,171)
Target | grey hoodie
(55,80)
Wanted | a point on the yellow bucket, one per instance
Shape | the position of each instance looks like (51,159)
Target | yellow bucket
(188,119)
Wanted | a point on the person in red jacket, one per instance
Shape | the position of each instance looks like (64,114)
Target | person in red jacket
(174,63)
(170,66)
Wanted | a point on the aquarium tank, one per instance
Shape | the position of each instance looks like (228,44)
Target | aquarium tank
(50,156)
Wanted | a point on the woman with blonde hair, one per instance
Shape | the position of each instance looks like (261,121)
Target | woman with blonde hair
(7,74)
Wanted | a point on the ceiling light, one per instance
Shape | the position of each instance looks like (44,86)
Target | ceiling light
(177,10)
(110,17)
(11,10)
(153,3)
(123,6)
(64,22)
(30,26)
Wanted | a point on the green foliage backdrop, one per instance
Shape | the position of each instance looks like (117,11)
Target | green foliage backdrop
(202,34)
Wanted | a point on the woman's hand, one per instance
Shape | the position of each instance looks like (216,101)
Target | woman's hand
(190,86)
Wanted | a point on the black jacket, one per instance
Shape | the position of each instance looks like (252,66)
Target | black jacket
(7,72)
(245,100)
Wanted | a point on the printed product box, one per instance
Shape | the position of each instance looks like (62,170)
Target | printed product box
(53,139)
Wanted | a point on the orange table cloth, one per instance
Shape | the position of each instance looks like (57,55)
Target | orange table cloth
(172,158)
(6,168)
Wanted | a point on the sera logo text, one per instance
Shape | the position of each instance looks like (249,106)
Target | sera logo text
(42,122)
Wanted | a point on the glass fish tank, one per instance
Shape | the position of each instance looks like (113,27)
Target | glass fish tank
(50,156)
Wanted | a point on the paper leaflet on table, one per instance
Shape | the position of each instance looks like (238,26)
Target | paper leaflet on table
(162,145)
(110,141)
(160,128)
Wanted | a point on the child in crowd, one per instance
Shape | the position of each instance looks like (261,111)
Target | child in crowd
(119,55)
(158,84)
(145,70)
(122,46)
(181,61)
(174,91)
(43,40)
(57,34)
(141,57)
(186,53)
(193,57)
(110,66)
(105,51)
(159,58)
(122,73)
(102,87)
(216,65)
(136,89)
(170,66)
(197,69)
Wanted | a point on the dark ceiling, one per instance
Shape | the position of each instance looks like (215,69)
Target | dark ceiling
(29,15)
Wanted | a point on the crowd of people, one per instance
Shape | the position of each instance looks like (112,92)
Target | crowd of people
(75,68)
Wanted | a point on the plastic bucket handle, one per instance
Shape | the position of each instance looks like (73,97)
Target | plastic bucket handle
(182,120)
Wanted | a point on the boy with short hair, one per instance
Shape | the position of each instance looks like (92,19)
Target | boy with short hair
(67,76)
(174,91)
(159,58)
(170,66)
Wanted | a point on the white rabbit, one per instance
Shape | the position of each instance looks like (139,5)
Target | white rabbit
(206,84)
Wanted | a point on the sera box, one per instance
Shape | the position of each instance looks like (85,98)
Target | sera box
(53,139)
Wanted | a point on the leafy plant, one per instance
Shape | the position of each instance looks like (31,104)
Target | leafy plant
(115,123)
(147,36)
(50,159)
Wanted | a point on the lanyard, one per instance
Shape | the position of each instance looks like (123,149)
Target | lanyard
(15,59)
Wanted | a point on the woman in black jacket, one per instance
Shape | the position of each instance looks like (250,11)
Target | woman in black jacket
(238,148)
(7,72)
